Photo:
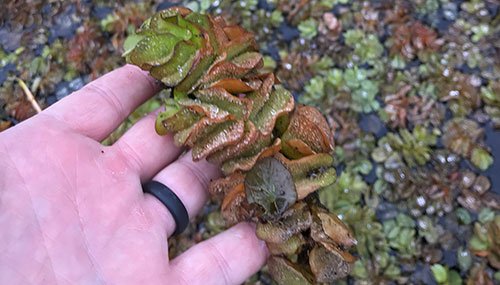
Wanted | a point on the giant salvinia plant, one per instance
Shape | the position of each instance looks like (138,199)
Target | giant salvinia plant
(272,152)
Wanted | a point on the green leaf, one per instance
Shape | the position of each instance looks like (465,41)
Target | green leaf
(463,216)
(496,276)
(153,50)
(440,273)
(393,233)
(359,270)
(190,81)
(130,43)
(481,158)
(405,221)
(353,37)
(486,215)
(280,101)
(308,28)
(172,72)
(276,18)
(464,259)
(454,278)
(477,244)
(224,100)
(315,88)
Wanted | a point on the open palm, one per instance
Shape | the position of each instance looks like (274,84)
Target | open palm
(72,211)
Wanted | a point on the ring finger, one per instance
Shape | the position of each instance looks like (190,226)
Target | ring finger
(189,181)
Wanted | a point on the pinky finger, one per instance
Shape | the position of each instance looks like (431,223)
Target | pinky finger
(230,257)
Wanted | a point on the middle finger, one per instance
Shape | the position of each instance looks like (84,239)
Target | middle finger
(146,152)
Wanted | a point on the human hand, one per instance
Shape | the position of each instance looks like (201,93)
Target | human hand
(72,211)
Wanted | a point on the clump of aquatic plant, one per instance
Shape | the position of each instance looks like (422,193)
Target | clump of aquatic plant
(459,90)
(414,147)
(464,136)
(366,47)
(353,84)
(397,105)
(373,249)
(491,96)
(354,153)
(479,275)
(413,39)
(250,15)
(123,21)
(347,191)
(297,11)
(273,152)
(475,194)
(350,198)
(401,234)
(308,28)
(428,189)
(485,242)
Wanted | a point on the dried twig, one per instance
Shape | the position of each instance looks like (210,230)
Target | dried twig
(29,95)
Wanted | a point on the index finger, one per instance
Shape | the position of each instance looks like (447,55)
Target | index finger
(100,106)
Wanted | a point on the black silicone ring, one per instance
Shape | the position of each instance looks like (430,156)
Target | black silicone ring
(174,205)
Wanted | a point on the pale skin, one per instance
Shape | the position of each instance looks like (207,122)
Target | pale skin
(72,211)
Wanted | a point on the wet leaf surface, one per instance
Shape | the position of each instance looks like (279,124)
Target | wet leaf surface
(327,266)
(285,272)
(270,185)
(294,221)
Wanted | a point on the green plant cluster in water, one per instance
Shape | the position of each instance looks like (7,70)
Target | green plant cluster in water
(354,82)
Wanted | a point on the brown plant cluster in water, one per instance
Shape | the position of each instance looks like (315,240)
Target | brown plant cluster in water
(273,152)
(412,38)
(296,11)
(403,107)
(295,69)
(475,194)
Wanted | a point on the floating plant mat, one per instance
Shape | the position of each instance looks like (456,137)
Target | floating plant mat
(419,205)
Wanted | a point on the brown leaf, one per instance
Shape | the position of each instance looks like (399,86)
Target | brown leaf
(249,140)
(216,138)
(238,67)
(245,163)
(4,125)
(479,276)
(326,228)
(295,220)
(336,229)
(308,125)
(238,107)
(235,208)
(20,110)
(233,85)
(285,272)
(328,266)
(280,103)
(222,186)
(300,146)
